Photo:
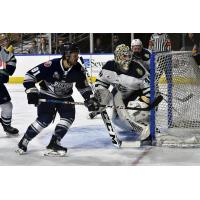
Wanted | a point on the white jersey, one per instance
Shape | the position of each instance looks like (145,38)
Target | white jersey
(127,86)
(135,79)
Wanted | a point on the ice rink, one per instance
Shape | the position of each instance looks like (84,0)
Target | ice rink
(87,141)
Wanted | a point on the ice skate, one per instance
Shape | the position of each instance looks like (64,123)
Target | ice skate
(55,149)
(22,146)
(9,130)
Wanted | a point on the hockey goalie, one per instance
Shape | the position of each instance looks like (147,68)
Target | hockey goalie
(130,88)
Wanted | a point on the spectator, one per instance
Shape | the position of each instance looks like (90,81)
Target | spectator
(191,42)
(115,42)
(98,47)
(34,48)
(60,44)
(43,48)
(5,43)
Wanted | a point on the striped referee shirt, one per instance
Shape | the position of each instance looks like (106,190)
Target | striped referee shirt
(159,42)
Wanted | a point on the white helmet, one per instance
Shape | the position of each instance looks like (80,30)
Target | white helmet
(136,42)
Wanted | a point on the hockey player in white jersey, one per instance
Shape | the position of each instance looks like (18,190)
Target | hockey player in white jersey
(7,68)
(130,82)
(140,53)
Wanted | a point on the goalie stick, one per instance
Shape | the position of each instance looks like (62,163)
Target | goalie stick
(187,98)
(107,122)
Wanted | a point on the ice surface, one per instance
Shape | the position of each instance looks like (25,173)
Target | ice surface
(87,141)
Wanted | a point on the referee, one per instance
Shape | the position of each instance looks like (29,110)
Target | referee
(160,42)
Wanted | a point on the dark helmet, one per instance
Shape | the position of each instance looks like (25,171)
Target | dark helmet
(68,48)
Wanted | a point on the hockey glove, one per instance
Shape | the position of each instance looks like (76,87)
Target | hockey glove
(92,104)
(32,96)
(3,77)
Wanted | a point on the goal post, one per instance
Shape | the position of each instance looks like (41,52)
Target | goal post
(176,121)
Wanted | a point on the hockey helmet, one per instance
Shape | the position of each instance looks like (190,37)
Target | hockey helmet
(68,48)
(136,42)
(122,56)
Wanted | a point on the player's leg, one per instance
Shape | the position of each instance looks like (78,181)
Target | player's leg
(6,112)
(67,116)
(46,113)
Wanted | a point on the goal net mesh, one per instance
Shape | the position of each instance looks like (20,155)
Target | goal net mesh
(177,118)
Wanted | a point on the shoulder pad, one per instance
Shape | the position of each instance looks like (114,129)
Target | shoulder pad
(139,69)
(109,65)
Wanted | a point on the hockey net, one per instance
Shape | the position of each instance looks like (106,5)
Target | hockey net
(177,118)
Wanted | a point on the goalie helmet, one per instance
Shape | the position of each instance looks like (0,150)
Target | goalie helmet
(137,115)
(68,48)
(122,56)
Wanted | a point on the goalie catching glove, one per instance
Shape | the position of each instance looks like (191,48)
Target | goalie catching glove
(92,104)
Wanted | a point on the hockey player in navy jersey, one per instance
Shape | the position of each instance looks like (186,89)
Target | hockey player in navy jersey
(56,78)
(131,88)
(7,68)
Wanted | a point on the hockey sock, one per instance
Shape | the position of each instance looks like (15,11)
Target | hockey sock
(6,121)
(60,132)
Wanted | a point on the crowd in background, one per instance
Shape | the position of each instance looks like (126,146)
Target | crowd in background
(102,43)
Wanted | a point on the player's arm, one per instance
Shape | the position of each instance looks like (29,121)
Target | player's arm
(86,91)
(9,61)
(106,77)
(32,77)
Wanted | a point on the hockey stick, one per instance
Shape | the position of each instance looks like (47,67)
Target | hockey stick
(179,99)
(154,104)
(115,140)
(172,106)
(107,122)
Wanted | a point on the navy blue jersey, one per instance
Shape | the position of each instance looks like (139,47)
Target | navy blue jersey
(144,55)
(56,81)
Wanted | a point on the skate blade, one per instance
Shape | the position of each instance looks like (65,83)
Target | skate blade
(131,144)
(52,153)
(20,152)
(11,135)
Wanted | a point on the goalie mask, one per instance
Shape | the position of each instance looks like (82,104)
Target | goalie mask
(122,56)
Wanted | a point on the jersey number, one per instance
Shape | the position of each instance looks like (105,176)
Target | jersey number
(35,71)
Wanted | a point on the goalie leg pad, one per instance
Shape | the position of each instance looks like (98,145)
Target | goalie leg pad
(130,121)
